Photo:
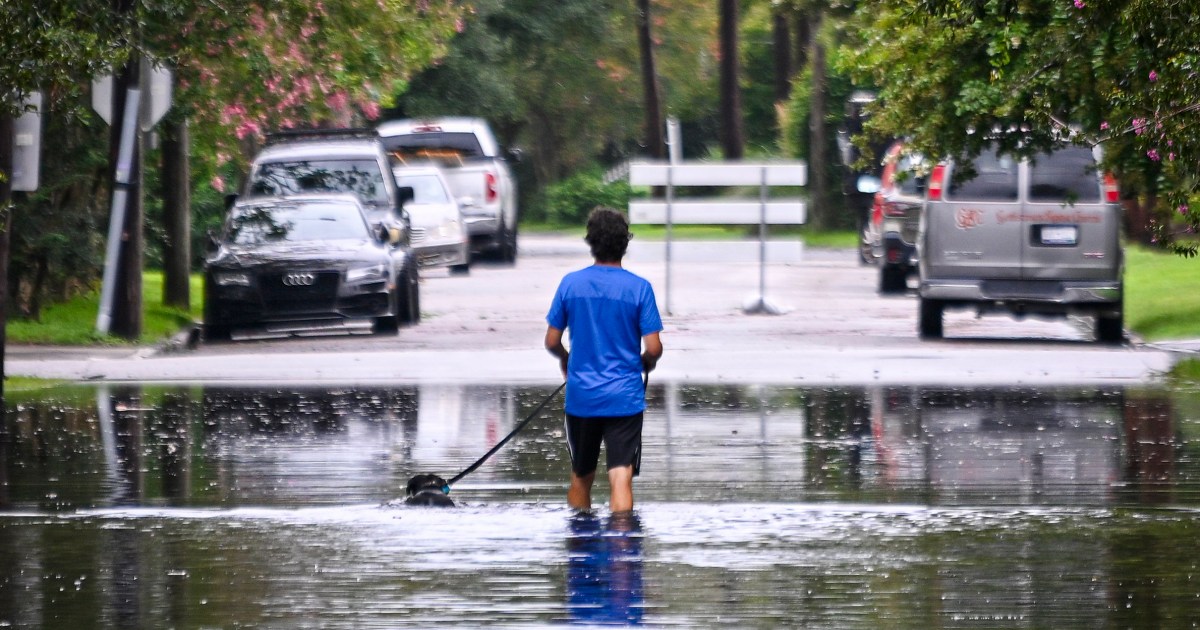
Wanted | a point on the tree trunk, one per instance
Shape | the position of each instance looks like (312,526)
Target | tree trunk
(6,169)
(655,144)
(732,137)
(818,180)
(177,250)
(803,39)
(783,56)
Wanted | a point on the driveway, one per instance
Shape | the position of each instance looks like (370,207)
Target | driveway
(488,327)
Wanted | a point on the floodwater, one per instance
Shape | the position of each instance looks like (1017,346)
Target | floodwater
(757,507)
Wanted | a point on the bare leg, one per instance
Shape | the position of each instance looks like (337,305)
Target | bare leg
(620,480)
(579,496)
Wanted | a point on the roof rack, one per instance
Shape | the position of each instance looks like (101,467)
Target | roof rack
(292,135)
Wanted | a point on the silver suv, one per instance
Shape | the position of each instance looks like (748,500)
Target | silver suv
(1036,236)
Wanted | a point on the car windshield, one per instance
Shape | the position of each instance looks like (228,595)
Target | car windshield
(257,225)
(426,188)
(360,177)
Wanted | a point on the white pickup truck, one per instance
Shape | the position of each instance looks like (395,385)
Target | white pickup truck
(475,167)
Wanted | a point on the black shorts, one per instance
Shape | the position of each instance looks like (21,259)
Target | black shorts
(621,436)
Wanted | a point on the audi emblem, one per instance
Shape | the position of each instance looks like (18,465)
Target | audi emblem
(302,279)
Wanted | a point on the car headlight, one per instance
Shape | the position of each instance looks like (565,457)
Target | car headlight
(449,229)
(366,274)
(232,279)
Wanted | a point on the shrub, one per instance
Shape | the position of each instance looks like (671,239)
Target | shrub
(569,201)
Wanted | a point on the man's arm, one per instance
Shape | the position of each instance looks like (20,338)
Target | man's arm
(554,346)
(653,351)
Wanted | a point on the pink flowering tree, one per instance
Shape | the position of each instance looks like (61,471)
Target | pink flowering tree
(243,69)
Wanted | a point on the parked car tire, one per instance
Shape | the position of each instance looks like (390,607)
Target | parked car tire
(390,324)
(216,332)
(408,308)
(893,279)
(1110,330)
(930,320)
(508,245)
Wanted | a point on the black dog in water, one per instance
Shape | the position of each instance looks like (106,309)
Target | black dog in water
(428,489)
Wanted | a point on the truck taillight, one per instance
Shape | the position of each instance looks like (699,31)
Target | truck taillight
(935,182)
(1112,194)
(489,185)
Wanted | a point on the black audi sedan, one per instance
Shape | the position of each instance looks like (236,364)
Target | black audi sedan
(307,262)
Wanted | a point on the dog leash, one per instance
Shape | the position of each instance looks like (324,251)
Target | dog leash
(470,469)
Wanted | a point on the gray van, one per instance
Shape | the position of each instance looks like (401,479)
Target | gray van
(1036,236)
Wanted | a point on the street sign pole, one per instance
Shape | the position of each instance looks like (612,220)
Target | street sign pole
(116,222)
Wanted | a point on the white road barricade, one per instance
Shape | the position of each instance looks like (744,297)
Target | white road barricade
(765,211)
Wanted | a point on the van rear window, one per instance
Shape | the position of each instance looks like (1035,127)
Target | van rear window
(990,177)
(1065,176)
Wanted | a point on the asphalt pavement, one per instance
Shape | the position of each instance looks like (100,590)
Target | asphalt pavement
(826,326)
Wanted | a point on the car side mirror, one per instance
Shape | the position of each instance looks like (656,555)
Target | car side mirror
(405,194)
(213,243)
(868,184)
(514,155)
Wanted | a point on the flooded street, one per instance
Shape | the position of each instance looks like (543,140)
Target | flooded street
(758,506)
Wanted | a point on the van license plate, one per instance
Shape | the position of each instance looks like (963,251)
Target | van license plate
(1059,234)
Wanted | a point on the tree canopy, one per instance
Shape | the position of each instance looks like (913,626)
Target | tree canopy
(1031,74)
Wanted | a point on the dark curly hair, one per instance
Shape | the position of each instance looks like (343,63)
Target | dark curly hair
(607,234)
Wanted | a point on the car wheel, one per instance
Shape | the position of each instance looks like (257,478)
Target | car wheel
(216,332)
(866,247)
(893,279)
(390,324)
(508,245)
(930,324)
(1110,329)
(408,308)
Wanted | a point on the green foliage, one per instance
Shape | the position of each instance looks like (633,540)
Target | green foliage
(73,321)
(56,46)
(569,201)
(1112,72)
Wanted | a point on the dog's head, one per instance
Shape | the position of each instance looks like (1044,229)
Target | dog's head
(425,483)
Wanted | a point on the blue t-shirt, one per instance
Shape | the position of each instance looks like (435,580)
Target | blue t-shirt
(606,311)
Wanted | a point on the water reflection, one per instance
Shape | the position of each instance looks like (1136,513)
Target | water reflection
(902,507)
(604,569)
(227,446)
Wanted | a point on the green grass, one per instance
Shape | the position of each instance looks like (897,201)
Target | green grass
(73,322)
(1162,294)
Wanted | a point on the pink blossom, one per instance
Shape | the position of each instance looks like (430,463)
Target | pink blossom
(1079,4)
(1153,76)
(1153,155)
(218,183)
(1183,208)
(1104,125)
(370,109)
(1139,126)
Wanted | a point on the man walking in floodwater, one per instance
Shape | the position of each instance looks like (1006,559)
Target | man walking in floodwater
(611,314)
